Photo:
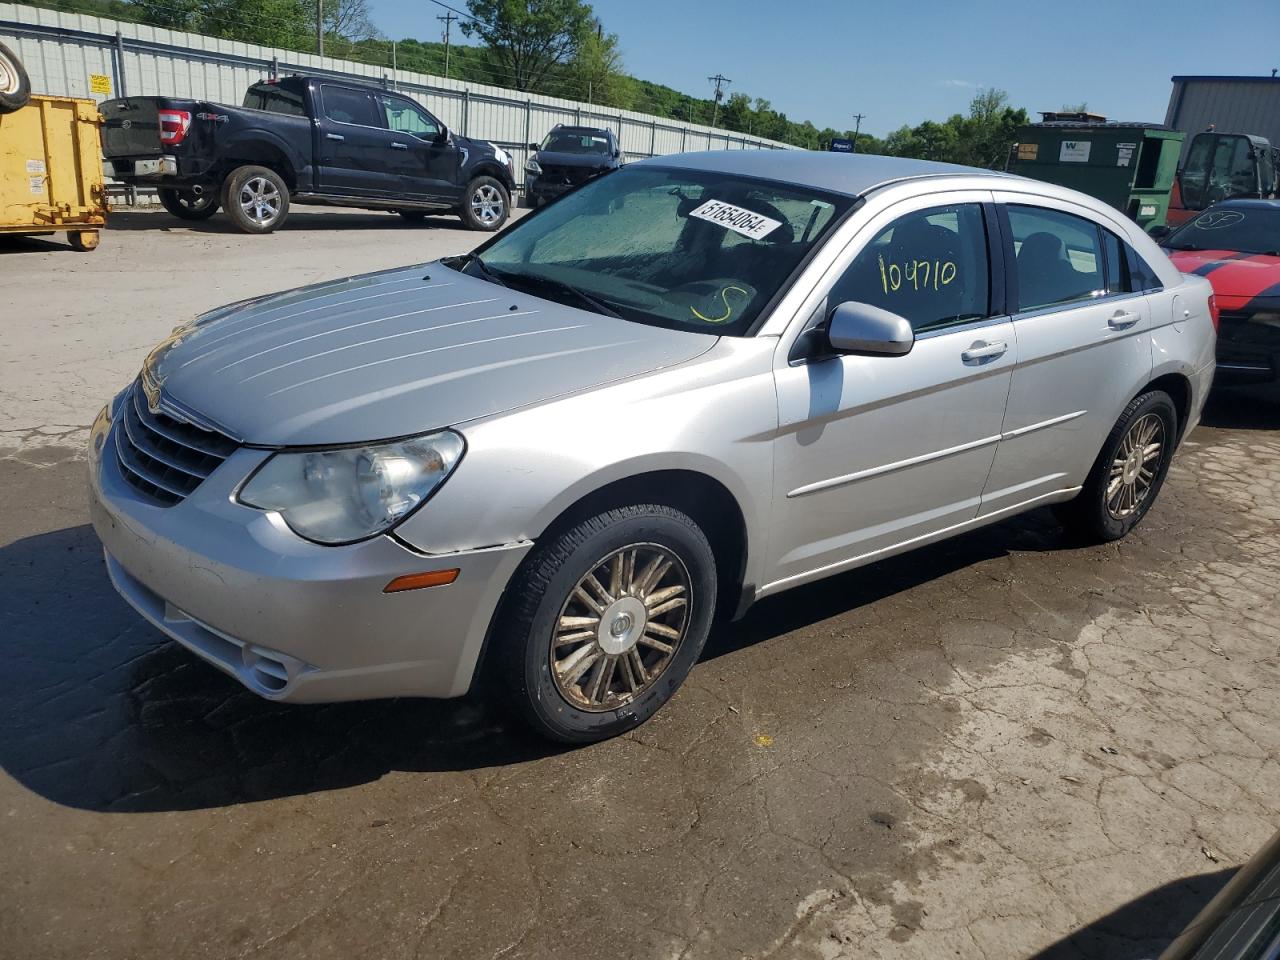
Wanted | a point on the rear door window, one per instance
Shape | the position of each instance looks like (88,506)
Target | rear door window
(345,105)
(1057,257)
(275,99)
(930,266)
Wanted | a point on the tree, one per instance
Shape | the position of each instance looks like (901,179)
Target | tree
(348,19)
(528,38)
(596,68)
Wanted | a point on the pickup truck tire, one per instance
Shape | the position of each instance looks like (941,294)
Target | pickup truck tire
(15,85)
(485,204)
(188,205)
(255,198)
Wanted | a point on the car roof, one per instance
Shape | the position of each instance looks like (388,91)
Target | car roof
(1253,203)
(853,174)
(567,128)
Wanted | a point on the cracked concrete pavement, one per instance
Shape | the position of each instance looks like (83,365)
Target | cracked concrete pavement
(1003,746)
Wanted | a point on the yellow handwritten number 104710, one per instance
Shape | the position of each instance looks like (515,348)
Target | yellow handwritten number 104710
(917,273)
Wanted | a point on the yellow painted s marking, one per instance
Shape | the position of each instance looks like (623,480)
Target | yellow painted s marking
(728,309)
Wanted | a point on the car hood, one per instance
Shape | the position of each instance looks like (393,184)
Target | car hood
(592,160)
(1237,278)
(392,354)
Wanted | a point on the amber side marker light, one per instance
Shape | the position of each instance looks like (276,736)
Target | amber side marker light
(416,581)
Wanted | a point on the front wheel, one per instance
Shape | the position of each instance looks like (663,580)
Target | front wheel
(189,204)
(485,204)
(605,621)
(256,199)
(1129,472)
(15,85)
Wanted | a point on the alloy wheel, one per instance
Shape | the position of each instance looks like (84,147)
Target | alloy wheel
(487,204)
(621,626)
(1135,466)
(260,200)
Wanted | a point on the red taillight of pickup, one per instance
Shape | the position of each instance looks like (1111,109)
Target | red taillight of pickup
(1213,312)
(174,125)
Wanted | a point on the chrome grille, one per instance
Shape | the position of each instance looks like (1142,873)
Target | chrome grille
(163,457)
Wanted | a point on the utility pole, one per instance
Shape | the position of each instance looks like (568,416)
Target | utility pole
(719,81)
(320,28)
(857,119)
(447,20)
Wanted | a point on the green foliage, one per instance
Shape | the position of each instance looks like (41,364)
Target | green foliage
(528,38)
(981,139)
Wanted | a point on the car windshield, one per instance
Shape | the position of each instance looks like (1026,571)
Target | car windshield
(686,249)
(560,141)
(1244,229)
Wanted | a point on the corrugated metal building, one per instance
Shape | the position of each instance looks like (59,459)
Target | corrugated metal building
(1230,104)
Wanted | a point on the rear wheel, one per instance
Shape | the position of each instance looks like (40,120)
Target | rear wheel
(485,204)
(605,622)
(189,204)
(1129,472)
(15,85)
(83,240)
(256,199)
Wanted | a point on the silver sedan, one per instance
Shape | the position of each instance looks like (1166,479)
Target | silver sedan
(690,384)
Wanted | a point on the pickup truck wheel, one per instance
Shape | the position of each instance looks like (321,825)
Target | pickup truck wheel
(256,199)
(15,85)
(189,205)
(605,620)
(485,204)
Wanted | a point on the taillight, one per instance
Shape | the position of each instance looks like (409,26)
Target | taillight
(1213,312)
(174,125)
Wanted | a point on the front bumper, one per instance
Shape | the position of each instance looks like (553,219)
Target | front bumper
(292,620)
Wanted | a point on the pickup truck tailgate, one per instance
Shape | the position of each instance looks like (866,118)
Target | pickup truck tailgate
(131,127)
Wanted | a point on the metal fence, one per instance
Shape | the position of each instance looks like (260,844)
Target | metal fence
(70,54)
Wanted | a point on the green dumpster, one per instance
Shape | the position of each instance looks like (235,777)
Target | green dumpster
(1128,165)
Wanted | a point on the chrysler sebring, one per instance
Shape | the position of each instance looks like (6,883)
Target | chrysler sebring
(689,384)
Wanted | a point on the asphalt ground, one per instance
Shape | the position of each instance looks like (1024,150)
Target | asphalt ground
(1002,746)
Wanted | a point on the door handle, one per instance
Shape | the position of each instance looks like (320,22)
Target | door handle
(334,136)
(984,351)
(397,145)
(1122,320)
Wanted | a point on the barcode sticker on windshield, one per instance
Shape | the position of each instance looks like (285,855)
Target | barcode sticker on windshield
(737,219)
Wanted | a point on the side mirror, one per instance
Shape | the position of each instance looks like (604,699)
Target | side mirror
(533,147)
(442,135)
(861,328)
(1159,232)
(617,154)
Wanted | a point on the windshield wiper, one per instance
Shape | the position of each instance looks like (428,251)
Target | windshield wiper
(460,263)
(537,281)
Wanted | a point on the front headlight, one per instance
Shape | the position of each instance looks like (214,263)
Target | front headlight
(341,496)
(502,156)
(531,166)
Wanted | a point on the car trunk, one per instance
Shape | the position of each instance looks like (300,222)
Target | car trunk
(131,127)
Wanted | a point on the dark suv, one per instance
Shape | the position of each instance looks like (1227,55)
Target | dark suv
(566,158)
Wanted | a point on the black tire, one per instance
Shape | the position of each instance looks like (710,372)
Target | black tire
(15,85)
(1089,516)
(413,216)
(479,197)
(243,213)
(85,241)
(541,591)
(188,205)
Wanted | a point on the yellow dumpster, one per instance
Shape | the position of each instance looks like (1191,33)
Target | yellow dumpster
(51,170)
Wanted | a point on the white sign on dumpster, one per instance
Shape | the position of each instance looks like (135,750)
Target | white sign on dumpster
(1075,151)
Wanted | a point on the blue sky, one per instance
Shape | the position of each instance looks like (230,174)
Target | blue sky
(903,62)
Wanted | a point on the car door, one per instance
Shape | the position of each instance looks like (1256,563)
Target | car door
(1084,348)
(876,452)
(354,145)
(424,163)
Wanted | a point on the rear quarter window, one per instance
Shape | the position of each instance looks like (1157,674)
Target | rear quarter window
(274,99)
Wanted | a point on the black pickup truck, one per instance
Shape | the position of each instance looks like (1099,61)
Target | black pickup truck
(309,139)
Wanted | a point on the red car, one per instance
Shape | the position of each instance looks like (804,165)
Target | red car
(1236,245)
